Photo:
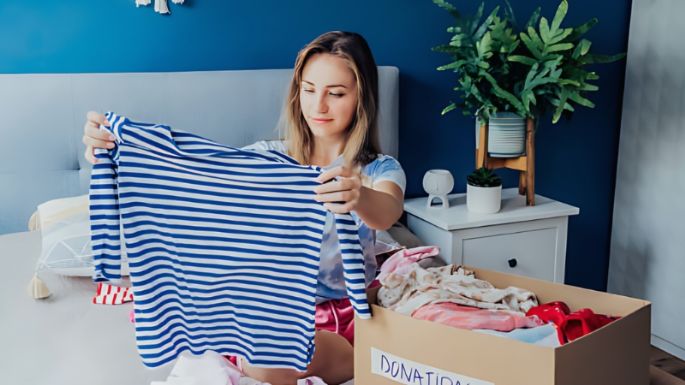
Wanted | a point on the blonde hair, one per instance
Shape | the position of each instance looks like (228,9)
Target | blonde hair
(361,140)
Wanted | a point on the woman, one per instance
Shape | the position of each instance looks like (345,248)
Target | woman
(331,122)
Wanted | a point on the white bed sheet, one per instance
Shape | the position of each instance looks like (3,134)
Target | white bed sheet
(64,339)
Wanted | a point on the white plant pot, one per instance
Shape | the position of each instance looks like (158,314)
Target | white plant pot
(506,135)
(483,200)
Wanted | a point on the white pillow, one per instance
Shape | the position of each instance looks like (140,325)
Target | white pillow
(65,232)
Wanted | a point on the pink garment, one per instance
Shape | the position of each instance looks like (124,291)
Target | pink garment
(466,317)
(336,316)
(401,260)
(417,287)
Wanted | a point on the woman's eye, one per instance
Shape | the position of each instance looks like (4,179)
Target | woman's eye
(308,90)
(336,95)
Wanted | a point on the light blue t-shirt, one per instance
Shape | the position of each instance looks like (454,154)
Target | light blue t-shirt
(331,284)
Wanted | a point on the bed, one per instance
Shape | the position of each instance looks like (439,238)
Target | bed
(65,339)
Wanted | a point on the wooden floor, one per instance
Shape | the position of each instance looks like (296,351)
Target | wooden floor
(666,369)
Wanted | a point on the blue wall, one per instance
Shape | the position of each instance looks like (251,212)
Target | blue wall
(576,159)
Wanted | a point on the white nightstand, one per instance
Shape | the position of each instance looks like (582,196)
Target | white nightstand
(520,239)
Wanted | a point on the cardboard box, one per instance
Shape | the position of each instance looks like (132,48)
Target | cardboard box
(392,348)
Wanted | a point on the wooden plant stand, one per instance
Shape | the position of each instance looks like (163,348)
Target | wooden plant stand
(525,164)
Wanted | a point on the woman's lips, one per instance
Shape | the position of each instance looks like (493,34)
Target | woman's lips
(318,120)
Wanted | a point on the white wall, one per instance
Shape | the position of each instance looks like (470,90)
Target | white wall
(648,234)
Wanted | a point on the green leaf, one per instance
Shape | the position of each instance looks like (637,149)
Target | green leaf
(503,93)
(552,62)
(533,34)
(448,7)
(475,19)
(484,46)
(582,48)
(544,30)
(560,105)
(509,12)
(558,47)
(569,82)
(560,35)
(533,18)
(560,15)
(591,59)
(575,96)
(528,98)
(522,59)
(452,66)
(445,48)
(583,28)
(486,24)
(449,108)
(531,46)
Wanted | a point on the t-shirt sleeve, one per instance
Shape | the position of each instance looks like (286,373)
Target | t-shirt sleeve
(387,168)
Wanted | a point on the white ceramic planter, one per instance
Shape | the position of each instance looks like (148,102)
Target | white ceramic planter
(506,135)
(483,200)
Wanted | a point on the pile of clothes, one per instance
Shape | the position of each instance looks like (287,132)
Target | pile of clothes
(453,296)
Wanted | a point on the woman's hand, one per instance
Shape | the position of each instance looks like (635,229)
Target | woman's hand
(94,137)
(341,195)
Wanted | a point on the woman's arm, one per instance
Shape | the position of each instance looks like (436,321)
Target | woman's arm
(379,207)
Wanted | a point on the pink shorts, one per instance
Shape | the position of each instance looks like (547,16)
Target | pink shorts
(336,316)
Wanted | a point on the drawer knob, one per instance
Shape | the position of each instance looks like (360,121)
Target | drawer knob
(512,262)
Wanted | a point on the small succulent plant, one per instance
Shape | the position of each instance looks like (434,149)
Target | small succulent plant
(484,177)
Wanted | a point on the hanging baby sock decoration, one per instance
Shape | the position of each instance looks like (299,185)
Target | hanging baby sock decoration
(161,6)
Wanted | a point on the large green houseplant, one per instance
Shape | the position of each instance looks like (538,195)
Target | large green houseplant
(522,71)
(527,70)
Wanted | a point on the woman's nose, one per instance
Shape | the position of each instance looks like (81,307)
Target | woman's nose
(321,105)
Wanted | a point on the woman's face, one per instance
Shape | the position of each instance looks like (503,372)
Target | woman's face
(328,96)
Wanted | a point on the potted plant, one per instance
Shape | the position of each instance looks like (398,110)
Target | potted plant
(526,71)
(483,191)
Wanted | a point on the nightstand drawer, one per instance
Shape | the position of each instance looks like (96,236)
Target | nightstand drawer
(528,253)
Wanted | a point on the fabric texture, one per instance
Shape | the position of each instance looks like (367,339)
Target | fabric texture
(331,283)
(336,316)
(106,294)
(467,317)
(400,262)
(545,335)
(570,325)
(223,245)
(414,287)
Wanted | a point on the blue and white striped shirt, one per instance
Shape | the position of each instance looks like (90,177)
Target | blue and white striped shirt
(223,245)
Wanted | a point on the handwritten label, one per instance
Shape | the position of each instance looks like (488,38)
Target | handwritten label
(409,372)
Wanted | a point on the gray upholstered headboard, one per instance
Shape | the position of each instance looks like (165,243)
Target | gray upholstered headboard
(42,117)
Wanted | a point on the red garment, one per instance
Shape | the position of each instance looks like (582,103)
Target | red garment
(570,325)
(583,322)
(467,317)
(107,294)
